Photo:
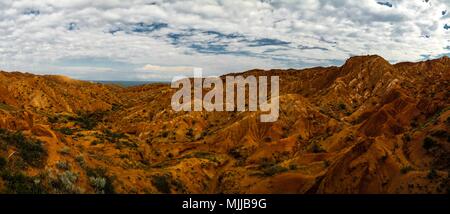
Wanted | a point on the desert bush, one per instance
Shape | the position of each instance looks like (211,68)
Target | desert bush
(99,174)
(164,134)
(204,134)
(116,107)
(293,166)
(112,136)
(162,183)
(270,168)
(6,107)
(349,138)
(66,131)
(342,106)
(19,183)
(190,133)
(79,135)
(88,120)
(124,156)
(205,155)
(63,165)
(236,153)
(273,170)
(52,119)
(317,148)
(98,183)
(96,142)
(130,144)
(33,153)
(65,150)
(30,150)
(66,183)
(80,160)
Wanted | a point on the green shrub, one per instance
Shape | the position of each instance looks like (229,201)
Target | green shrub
(100,174)
(3,162)
(115,107)
(96,142)
(6,107)
(88,121)
(204,134)
(349,138)
(31,151)
(52,119)
(236,153)
(164,134)
(162,183)
(63,165)
(80,160)
(65,150)
(66,183)
(293,166)
(205,155)
(66,131)
(273,170)
(342,106)
(98,183)
(79,135)
(317,148)
(270,168)
(112,136)
(190,133)
(19,183)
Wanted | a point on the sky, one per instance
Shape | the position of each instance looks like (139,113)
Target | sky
(155,40)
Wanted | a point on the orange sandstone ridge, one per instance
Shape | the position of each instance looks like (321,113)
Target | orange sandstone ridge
(365,127)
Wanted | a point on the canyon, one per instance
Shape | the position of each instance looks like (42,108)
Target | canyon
(367,126)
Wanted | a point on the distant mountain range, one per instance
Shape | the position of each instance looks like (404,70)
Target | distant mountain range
(127,83)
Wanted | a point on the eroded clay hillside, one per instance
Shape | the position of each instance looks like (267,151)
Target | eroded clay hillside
(365,127)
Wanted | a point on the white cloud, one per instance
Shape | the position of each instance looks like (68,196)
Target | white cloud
(167,69)
(242,34)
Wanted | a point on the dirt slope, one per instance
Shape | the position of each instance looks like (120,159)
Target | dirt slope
(365,127)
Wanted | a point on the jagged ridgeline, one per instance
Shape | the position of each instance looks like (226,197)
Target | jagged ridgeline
(365,127)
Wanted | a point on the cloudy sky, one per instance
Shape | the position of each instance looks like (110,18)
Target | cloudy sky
(157,39)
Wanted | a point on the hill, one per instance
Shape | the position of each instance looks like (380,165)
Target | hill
(365,127)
